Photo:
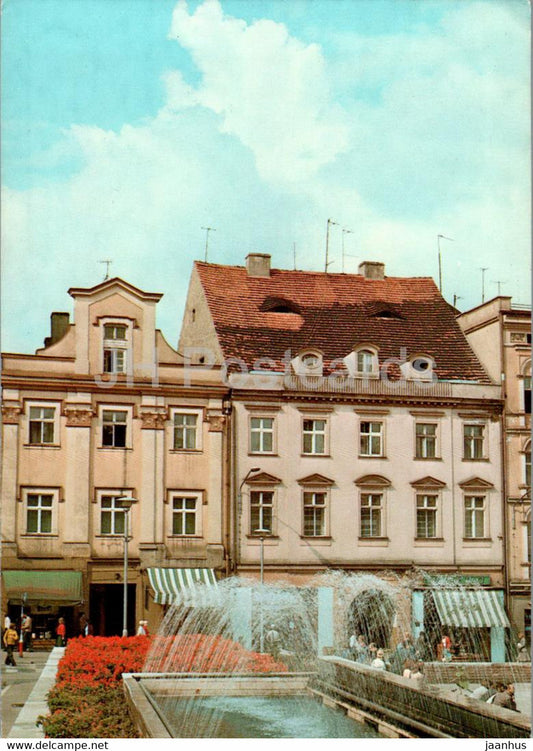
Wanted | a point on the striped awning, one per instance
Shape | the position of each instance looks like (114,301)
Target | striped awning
(470,608)
(43,586)
(193,587)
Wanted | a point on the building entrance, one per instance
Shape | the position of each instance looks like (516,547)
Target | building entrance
(106,609)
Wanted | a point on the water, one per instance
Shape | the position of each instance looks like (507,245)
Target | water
(259,717)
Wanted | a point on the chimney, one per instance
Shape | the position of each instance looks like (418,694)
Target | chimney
(372,270)
(59,323)
(258,264)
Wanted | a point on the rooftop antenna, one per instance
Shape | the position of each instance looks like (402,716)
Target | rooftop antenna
(207,231)
(344,232)
(499,283)
(443,237)
(483,269)
(455,298)
(328,262)
(294,254)
(108,263)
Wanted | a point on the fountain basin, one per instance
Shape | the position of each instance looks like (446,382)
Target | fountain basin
(234,706)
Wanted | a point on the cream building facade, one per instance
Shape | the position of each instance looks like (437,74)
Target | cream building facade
(500,334)
(106,409)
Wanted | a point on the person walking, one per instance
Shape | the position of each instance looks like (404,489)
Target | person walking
(521,649)
(61,633)
(26,626)
(141,631)
(10,642)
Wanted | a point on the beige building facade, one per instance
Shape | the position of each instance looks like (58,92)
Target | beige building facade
(105,410)
(500,334)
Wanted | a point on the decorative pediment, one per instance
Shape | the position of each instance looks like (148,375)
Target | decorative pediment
(263,478)
(315,479)
(428,482)
(476,483)
(373,481)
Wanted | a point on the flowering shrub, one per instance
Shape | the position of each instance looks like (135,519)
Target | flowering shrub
(87,700)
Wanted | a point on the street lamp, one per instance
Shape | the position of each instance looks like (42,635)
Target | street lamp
(262,533)
(125,503)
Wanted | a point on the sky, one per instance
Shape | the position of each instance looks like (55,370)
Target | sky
(129,126)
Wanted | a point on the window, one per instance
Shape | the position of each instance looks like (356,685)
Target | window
(371,514)
(314,436)
(310,361)
(111,516)
(527,395)
(527,465)
(473,441)
(42,421)
(474,516)
(115,348)
(184,515)
(114,423)
(261,503)
(371,438)
(39,513)
(426,440)
(365,361)
(262,435)
(314,514)
(185,429)
(426,516)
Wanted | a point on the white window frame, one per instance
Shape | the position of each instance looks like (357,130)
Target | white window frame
(526,465)
(422,506)
(198,413)
(261,506)
(526,543)
(197,512)
(114,512)
(308,495)
(473,439)
(311,369)
(129,425)
(380,509)
(432,423)
(261,431)
(366,362)
(53,508)
(123,346)
(55,421)
(370,435)
(413,373)
(467,499)
(315,434)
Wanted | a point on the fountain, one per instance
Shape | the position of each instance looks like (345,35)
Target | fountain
(255,661)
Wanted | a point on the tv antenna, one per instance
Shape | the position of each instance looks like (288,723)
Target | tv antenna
(294,255)
(108,263)
(345,232)
(207,231)
(328,262)
(443,237)
(483,269)
(499,283)
(455,298)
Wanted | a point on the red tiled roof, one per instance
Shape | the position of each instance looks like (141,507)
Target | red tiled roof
(337,312)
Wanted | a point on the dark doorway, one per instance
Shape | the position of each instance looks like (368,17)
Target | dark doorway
(105,613)
(372,615)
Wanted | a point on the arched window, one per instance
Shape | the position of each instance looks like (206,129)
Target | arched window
(363,362)
(527,389)
(366,362)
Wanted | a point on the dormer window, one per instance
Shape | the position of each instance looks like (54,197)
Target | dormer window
(308,363)
(115,348)
(365,362)
(362,362)
(419,367)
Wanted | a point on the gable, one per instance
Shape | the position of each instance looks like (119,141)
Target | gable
(373,481)
(315,479)
(428,482)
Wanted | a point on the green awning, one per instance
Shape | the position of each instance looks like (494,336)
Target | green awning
(470,608)
(193,587)
(43,586)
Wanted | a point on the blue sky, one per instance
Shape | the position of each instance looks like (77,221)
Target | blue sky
(128,125)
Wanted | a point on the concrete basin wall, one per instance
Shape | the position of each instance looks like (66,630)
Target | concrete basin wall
(427,713)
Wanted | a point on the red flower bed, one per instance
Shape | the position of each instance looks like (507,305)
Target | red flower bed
(100,660)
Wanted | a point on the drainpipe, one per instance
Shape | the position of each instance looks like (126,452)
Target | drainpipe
(503,452)
(452,449)
(227,484)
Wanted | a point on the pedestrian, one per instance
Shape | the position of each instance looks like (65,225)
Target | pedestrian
(146,629)
(7,624)
(141,631)
(521,649)
(505,697)
(82,624)
(379,662)
(408,667)
(352,644)
(61,633)
(372,652)
(423,647)
(26,626)
(482,692)
(361,650)
(417,675)
(445,649)
(10,642)
(272,640)
(404,651)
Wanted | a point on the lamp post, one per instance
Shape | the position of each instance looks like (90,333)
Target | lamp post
(125,503)
(21,633)
(262,533)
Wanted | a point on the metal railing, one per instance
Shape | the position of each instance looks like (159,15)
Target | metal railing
(335,384)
